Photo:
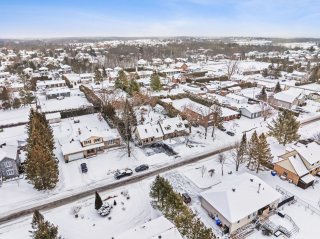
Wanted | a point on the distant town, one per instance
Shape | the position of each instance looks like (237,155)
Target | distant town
(144,138)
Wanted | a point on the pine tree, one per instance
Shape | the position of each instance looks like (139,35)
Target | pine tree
(263,95)
(122,81)
(285,128)
(155,82)
(240,152)
(98,77)
(133,87)
(277,89)
(264,152)
(252,149)
(41,165)
(98,202)
(43,229)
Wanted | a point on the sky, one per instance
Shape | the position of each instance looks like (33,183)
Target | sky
(146,18)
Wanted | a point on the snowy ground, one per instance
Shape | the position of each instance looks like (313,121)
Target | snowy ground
(125,215)
(14,116)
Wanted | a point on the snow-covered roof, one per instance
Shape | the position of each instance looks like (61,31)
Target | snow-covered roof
(236,97)
(76,147)
(255,108)
(171,125)
(309,152)
(288,95)
(308,178)
(51,116)
(8,151)
(246,199)
(148,131)
(154,229)
(298,165)
(181,104)
(228,112)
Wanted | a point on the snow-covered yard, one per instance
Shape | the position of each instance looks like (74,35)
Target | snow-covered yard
(14,116)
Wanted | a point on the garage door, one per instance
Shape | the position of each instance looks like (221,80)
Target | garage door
(75,156)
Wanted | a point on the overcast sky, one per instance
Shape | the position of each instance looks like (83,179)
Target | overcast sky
(70,18)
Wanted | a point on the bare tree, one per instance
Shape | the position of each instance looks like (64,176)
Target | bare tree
(238,154)
(266,111)
(221,160)
(232,67)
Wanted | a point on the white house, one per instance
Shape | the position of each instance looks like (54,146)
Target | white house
(237,201)
(251,111)
(53,117)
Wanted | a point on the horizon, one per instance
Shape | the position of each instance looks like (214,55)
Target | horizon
(36,19)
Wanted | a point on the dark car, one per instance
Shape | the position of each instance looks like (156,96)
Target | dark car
(142,167)
(230,133)
(222,128)
(186,198)
(84,167)
(122,173)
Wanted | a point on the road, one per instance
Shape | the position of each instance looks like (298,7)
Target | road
(46,205)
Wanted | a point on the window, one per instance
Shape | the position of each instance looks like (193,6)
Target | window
(97,140)
(10,172)
(87,142)
(7,164)
(285,174)
(112,141)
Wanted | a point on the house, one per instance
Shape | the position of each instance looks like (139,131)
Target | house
(28,71)
(57,92)
(148,134)
(43,71)
(172,127)
(142,63)
(53,117)
(289,98)
(9,162)
(236,202)
(251,111)
(89,142)
(50,84)
(300,164)
(237,98)
(153,229)
(229,114)
(66,69)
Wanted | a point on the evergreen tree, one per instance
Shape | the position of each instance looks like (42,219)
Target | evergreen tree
(133,87)
(263,95)
(42,229)
(122,81)
(98,202)
(104,72)
(98,77)
(285,128)
(252,149)
(264,152)
(155,82)
(41,165)
(240,152)
(16,103)
(277,89)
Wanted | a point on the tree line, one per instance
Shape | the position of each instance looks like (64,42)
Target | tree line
(172,206)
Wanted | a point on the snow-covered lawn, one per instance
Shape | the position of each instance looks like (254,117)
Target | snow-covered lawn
(72,102)
(125,215)
(14,116)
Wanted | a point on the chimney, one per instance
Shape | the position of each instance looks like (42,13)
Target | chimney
(259,188)
(79,131)
(251,179)
(233,190)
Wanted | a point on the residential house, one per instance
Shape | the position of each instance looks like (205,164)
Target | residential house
(300,164)
(9,162)
(53,117)
(237,98)
(148,134)
(43,71)
(50,84)
(251,111)
(289,98)
(57,92)
(172,127)
(90,142)
(236,202)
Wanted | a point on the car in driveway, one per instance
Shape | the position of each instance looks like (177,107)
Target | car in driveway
(122,173)
(222,128)
(84,168)
(230,133)
(141,168)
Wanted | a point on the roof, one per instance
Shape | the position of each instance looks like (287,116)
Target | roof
(256,108)
(76,147)
(154,229)
(8,151)
(181,104)
(171,125)
(298,165)
(148,131)
(227,202)
(53,116)
(308,178)
(309,152)
(288,95)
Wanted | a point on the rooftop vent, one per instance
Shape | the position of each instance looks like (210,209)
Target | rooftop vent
(233,190)
(251,179)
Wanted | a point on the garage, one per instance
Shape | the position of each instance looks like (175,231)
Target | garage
(75,156)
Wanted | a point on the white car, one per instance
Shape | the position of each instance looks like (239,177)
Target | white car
(105,210)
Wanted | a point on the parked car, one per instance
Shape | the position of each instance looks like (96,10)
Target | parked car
(142,167)
(230,133)
(105,210)
(84,167)
(222,128)
(122,173)
(186,198)
(60,97)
